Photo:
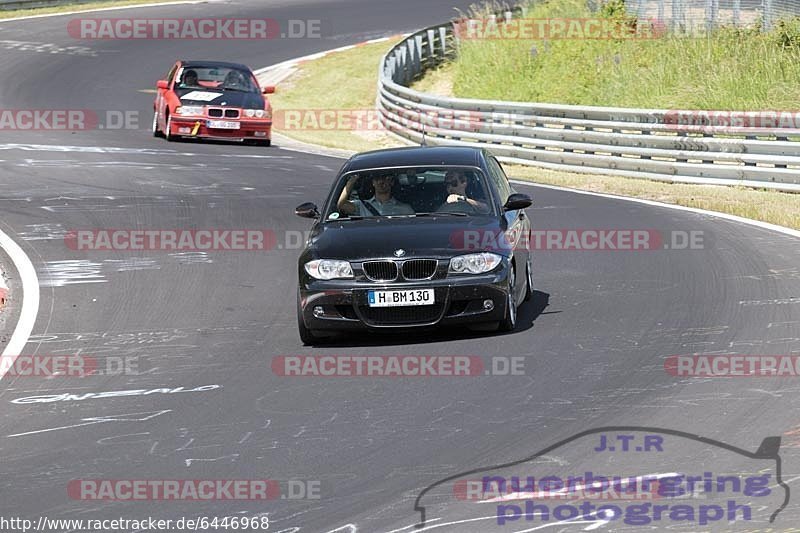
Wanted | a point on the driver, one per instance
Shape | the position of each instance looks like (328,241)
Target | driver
(190,78)
(234,79)
(382,203)
(456,183)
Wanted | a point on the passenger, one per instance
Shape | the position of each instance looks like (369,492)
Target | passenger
(382,202)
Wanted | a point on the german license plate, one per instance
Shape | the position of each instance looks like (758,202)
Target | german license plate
(222,124)
(400,298)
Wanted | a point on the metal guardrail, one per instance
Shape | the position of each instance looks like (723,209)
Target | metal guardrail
(643,143)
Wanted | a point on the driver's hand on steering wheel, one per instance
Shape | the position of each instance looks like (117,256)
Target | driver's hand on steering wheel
(453,198)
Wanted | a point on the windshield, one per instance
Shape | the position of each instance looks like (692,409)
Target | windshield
(216,78)
(410,191)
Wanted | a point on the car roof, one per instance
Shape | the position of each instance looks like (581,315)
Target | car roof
(213,64)
(415,156)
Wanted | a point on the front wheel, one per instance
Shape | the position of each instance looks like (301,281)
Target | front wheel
(529,281)
(509,323)
(306,335)
(156,132)
(168,134)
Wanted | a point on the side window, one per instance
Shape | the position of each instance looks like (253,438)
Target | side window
(499,178)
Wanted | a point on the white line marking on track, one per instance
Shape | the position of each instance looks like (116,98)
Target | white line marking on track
(726,216)
(122,150)
(347,528)
(30,298)
(97,9)
(99,420)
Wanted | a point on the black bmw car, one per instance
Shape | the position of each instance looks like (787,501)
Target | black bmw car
(413,237)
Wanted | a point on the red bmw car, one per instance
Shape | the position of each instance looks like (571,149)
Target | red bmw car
(212,100)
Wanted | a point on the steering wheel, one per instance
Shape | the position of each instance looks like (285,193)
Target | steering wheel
(461,206)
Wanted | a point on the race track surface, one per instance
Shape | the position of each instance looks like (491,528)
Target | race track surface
(594,339)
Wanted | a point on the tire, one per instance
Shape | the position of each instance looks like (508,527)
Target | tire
(156,131)
(509,322)
(529,282)
(306,335)
(167,134)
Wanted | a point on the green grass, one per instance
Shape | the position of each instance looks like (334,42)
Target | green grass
(340,81)
(71,7)
(347,80)
(729,69)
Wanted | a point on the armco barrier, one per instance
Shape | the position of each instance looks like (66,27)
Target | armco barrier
(643,143)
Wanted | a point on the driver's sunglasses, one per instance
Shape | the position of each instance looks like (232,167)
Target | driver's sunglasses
(453,183)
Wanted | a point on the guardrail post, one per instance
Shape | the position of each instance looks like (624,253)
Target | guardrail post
(443,41)
(417,55)
(712,13)
(768,15)
(641,9)
(677,24)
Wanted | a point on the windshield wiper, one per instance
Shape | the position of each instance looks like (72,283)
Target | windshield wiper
(442,214)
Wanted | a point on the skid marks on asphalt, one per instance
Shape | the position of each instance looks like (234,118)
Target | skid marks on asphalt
(47,48)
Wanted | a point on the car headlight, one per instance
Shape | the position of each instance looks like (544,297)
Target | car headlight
(474,263)
(329,269)
(189,110)
(260,113)
(249,112)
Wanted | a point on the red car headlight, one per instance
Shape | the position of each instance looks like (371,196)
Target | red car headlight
(256,113)
(189,110)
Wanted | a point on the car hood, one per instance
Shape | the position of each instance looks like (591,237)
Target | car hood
(226,98)
(381,237)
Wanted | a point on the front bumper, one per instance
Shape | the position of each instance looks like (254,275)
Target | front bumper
(457,300)
(249,129)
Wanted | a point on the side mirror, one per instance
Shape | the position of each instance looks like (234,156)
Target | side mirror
(307,210)
(269,89)
(162,84)
(517,201)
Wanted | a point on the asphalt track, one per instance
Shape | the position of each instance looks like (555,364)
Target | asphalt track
(594,339)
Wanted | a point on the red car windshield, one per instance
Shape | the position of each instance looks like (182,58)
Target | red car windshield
(216,78)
